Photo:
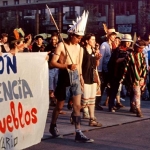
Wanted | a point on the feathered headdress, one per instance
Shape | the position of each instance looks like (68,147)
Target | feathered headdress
(78,27)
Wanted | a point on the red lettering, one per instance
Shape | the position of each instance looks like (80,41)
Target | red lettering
(20,114)
(15,120)
(27,118)
(9,120)
(34,118)
(3,129)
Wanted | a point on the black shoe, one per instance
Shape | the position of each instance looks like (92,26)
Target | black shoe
(54,131)
(98,107)
(80,137)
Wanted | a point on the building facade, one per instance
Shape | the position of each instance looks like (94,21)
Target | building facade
(126,16)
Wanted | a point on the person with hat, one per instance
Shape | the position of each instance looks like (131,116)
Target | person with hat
(116,69)
(105,50)
(68,58)
(135,74)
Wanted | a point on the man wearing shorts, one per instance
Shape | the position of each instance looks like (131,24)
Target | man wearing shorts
(68,58)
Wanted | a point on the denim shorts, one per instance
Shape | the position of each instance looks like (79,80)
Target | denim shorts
(75,86)
(64,91)
(53,78)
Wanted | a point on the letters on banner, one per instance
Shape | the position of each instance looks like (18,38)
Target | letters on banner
(24,99)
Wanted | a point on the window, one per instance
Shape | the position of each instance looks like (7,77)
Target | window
(16,2)
(28,1)
(56,11)
(5,3)
(72,10)
(102,10)
(126,8)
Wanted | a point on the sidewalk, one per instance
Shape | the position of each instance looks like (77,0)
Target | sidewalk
(108,119)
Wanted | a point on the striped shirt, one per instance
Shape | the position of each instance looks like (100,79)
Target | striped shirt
(135,69)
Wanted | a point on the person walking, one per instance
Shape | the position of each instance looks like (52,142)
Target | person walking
(89,68)
(68,58)
(135,74)
(105,50)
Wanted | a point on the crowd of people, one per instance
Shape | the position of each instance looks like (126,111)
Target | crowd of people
(80,70)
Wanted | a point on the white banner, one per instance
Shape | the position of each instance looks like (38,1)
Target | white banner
(24,99)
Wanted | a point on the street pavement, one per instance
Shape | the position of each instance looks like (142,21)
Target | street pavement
(119,119)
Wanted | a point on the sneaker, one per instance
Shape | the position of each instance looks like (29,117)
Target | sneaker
(94,123)
(80,137)
(54,131)
(98,107)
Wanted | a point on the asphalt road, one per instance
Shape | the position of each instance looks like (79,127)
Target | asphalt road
(129,136)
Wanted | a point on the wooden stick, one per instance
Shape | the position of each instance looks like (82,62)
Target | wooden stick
(59,32)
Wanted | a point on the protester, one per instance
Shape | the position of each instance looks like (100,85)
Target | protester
(135,74)
(115,45)
(116,68)
(146,38)
(89,68)
(53,72)
(4,47)
(105,50)
(38,45)
(68,58)
(16,41)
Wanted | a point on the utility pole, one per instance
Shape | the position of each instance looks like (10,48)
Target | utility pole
(37,21)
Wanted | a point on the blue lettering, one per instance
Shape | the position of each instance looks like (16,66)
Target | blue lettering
(15,90)
(14,83)
(7,91)
(26,89)
(11,65)
(2,62)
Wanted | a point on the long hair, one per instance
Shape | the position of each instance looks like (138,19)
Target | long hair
(87,37)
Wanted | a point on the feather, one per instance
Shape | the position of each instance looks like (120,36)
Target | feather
(16,34)
(21,32)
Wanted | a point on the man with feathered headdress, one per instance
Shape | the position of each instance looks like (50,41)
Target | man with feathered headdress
(68,58)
